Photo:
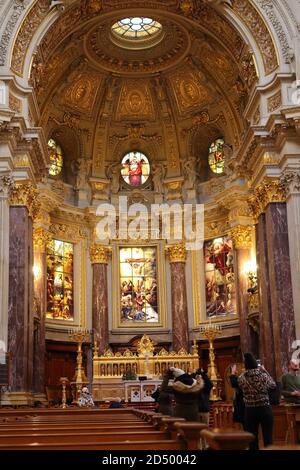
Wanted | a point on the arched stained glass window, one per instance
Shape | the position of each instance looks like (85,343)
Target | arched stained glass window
(56,158)
(135,169)
(60,280)
(216,158)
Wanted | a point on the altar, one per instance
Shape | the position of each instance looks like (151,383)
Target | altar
(110,371)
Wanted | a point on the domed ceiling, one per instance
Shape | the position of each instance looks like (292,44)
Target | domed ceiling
(158,92)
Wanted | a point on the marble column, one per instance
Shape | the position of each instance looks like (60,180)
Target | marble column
(41,238)
(280,284)
(291,181)
(242,239)
(20,318)
(99,258)
(177,258)
(266,339)
(6,183)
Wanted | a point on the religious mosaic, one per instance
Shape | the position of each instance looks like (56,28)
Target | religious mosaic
(219,277)
(60,294)
(135,169)
(138,285)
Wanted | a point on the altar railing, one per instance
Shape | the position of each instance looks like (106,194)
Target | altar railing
(111,365)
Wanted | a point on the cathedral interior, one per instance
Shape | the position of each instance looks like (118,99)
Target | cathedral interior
(167,105)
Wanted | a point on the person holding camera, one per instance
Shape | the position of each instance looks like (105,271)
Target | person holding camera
(255,384)
(186,392)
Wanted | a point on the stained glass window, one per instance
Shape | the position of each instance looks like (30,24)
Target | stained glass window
(136,28)
(60,280)
(135,168)
(216,156)
(56,157)
(219,277)
(138,285)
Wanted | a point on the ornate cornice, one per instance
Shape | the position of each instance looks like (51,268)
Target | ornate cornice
(25,194)
(269,191)
(41,238)
(241,236)
(176,253)
(99,254)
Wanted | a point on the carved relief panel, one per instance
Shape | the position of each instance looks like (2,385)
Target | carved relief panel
(135,101)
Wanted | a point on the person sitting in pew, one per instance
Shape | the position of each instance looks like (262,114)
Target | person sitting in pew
(291,383)
(117,403)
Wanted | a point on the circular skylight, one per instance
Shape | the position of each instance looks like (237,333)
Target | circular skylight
(137,31)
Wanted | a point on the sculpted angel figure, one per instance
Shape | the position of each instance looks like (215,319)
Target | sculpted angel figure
(114,173)
(81,169)
(158,175)
(189,172)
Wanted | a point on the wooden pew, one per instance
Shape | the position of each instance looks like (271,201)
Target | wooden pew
(227,439)
(293,423)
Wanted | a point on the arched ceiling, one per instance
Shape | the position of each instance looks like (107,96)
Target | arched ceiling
(197,76)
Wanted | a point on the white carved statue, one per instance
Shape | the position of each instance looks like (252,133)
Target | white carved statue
(81,169)
(114,173)
(158,174)
(189,172)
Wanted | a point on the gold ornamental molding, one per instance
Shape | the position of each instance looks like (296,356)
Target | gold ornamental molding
(41,238)
(269,191)
(291,182)
(25,194)
(241,236)
(99,254)
(176,253)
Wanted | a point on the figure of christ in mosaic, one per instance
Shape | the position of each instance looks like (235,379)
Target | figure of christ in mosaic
(219,277)
(138,285)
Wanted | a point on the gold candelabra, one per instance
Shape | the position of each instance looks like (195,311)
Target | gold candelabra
(79,335)
(211,331)
(64,381)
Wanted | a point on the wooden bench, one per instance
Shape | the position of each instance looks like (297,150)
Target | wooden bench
(293,424)
(227,439)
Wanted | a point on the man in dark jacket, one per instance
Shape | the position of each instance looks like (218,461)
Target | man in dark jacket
(203,398)
(238,401)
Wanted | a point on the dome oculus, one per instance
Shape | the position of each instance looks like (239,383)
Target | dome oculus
(136,31)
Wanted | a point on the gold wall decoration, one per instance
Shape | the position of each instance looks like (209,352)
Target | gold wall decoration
(257,116)
(135,101)
(251,17)
(94,6)
(99,254)
(274,102)
(15,103)
(189,90)
(81,94)
(28,28)
(177,253)
(241,236)
(68,232)
(41,238)
(25,194)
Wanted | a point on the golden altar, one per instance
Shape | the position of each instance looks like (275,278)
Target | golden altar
(109,369)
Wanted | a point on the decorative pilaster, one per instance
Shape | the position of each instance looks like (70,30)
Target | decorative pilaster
(41,238)
(177,258)
(242,240)
(6,185)
(100,257)
(291,184)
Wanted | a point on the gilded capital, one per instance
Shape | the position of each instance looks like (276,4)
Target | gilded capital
(41,238)
(241,236)
(6,185)
(25,194)
(269,191)
(290,181)
(177,253)
(99,254)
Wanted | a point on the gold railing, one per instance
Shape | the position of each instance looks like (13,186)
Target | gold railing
(145,363)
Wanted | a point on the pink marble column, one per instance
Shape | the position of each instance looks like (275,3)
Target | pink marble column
(20,319)
(99,258)
(266,339)
(180,326)
(280,284)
